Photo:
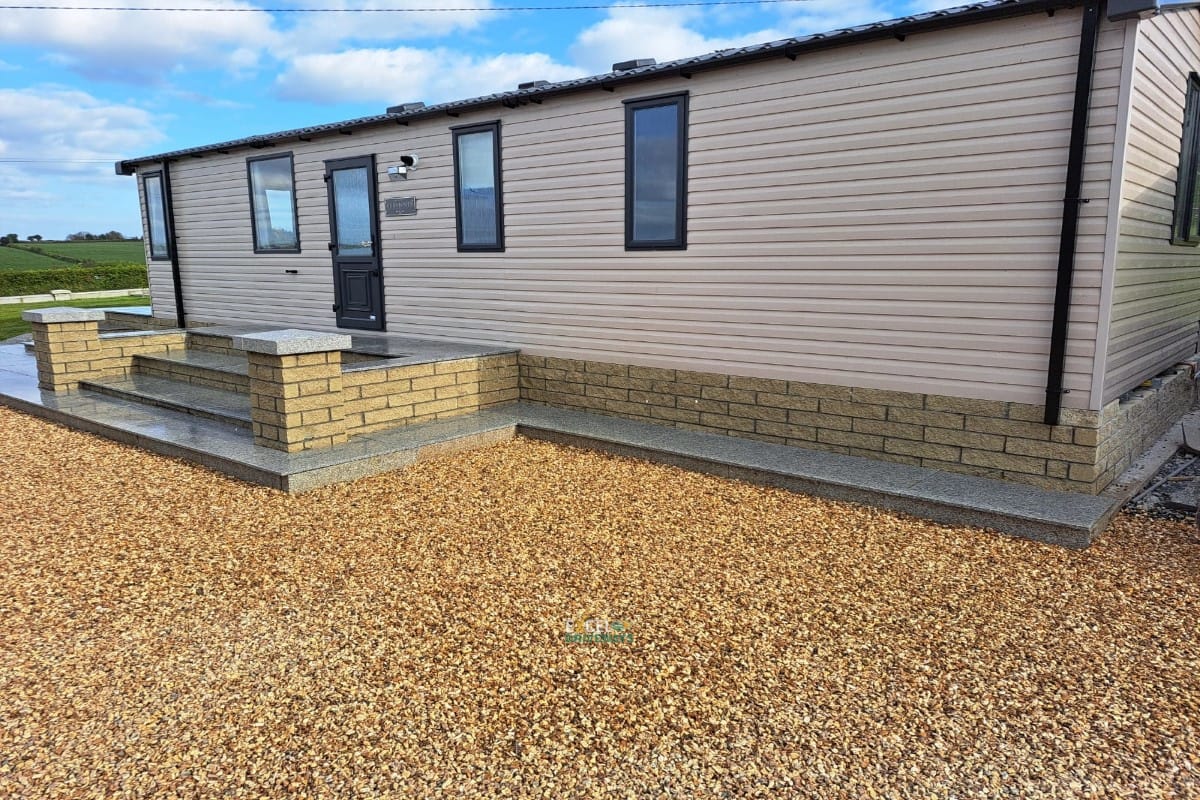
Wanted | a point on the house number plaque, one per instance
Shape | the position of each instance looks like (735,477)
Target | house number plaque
(400,206)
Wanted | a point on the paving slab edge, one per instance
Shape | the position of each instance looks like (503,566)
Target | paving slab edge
(1059,534)
(539,422)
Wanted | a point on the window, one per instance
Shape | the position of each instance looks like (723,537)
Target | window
(1186,229)
(656,173)
(156,215)
(273,204)
(478,199)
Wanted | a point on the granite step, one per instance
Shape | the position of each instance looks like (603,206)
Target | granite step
(198,368)
(219,405)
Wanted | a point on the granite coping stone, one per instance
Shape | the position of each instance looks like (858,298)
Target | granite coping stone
(147,332)
(389,349)
(291,341)
(1060,518)
(60,314)
(132,311)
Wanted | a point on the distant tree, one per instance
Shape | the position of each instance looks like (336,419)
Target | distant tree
(8,238)
(37,237)
(114,236)
(81,236)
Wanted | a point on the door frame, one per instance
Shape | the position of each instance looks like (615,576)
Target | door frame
(374,260)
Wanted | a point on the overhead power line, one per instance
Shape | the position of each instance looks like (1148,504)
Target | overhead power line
(57,160)
(573,7)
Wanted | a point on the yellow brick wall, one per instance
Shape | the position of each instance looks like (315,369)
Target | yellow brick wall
(387,397)
(993,439)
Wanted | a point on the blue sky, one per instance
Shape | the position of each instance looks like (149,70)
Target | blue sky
(80,89)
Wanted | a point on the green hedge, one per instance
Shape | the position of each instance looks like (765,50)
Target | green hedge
(77,279)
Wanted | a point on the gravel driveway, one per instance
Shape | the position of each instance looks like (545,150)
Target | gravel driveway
(166,631)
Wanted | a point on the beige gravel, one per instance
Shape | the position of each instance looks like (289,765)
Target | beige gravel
(165,631)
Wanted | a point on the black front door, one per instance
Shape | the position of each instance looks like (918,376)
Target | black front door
(354,234)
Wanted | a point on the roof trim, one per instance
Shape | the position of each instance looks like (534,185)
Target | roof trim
(1145,9)
(686,67)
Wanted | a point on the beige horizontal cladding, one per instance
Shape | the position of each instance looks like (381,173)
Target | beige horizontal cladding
(989,438)
(376,399)
(70,352)
(953,147)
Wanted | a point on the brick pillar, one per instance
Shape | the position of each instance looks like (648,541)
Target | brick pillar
(295,388)
(65,341)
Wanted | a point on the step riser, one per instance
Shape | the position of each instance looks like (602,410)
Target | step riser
(188,373)
(170,406)
(212,344)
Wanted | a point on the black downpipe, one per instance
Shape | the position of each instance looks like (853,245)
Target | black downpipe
(172,250)
(1070,218)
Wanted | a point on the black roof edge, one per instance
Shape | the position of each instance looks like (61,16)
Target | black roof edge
(1131,9)
(1145,9)
(791,48)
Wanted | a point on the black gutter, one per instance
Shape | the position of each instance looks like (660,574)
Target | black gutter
(1071,203)
(172,249)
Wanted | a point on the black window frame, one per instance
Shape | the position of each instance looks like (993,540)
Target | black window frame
(254,214)
(458,132)
(1184,228)
(166,220)
(632,106)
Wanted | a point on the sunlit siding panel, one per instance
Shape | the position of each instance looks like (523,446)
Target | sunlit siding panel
(883,215)
(1156,291)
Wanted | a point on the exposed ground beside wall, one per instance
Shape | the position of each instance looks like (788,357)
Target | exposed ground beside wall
(172,632)
(988,438)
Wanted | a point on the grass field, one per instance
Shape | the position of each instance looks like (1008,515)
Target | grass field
(99,252)
(16,258)
(11,323)
(56,255)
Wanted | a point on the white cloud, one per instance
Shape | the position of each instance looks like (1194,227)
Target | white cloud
(820,16)
(664,34)
(72,140)
(404,74)
(69,125)
(143,47)
(309,33)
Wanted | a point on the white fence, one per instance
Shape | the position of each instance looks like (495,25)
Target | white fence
(67,295)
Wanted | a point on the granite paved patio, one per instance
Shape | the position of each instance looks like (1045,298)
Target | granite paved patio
(1070,520)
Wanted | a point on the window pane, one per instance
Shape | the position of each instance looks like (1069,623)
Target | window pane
(352,211)
(1193,229)
(655,173)
(477,188)
(156,211)
(1186,217)
(272,195)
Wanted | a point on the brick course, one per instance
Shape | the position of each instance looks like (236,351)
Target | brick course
(70,352)
(376,399)
(989,438)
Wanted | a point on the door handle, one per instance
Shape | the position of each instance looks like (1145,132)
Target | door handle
(336,308)
(374,273)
